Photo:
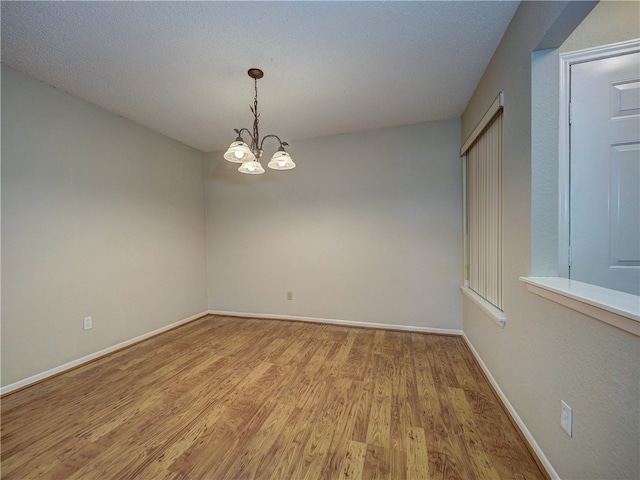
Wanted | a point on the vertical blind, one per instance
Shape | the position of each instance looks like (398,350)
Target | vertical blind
(484,212)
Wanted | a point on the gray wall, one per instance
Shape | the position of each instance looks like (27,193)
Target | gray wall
(367,228)
(547,352)
(100,217)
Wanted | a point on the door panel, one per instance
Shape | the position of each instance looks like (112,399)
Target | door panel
(605,173)
(624,198)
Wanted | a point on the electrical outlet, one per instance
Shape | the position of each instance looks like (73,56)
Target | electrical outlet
(289,295)
(87,323)
(566,418)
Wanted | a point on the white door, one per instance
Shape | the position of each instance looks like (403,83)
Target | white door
(605,173)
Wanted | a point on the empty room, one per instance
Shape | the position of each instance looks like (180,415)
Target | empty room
(320,239)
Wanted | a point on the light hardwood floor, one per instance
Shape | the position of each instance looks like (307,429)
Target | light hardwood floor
(239,398)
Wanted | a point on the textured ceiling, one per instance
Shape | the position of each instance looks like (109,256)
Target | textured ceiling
(179,68)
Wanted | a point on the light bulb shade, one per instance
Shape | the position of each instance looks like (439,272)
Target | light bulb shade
(239,152)
(252,168)
(281,160)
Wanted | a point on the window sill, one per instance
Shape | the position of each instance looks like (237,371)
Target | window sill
(619,309)
(493,312)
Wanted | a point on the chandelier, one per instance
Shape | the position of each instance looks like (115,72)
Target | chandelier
(249,155)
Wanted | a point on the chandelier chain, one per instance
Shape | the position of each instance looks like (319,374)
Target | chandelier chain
(256,137)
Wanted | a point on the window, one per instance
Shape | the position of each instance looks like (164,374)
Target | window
(551,276)
(482,154)
(601,158)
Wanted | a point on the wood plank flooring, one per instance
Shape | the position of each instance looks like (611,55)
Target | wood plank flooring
(232,398)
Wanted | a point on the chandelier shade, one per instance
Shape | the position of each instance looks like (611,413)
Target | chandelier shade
(249,154)
(239,152)
(252,168)
(281,160)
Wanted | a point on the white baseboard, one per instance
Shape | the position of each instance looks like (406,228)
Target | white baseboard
(75,363)
(523,428)
(344,323)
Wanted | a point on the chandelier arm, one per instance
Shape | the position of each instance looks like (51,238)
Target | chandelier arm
(282,144)
(239,132)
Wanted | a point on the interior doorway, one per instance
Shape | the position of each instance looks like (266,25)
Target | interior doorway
(604,169)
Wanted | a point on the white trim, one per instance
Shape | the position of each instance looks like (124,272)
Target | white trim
(563,170)
(566,60)
(619,309)
(345,323)
(514,414)
(604,51)
(492,311)
(497,104)
(93,356)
